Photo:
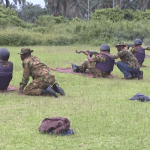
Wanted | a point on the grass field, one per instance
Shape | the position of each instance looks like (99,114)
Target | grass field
(100,113)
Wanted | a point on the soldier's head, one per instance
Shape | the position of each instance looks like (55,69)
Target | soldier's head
(25,52)
(120,46)
(105,48)
(4,54)
(137,42)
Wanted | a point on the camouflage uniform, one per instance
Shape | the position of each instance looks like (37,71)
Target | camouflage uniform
(4,63)
(127,57)
(40,73)
(91,66)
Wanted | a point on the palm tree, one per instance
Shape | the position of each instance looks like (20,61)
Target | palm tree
(15,1)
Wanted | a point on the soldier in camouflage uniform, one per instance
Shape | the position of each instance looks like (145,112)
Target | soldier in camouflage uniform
(99,66)
(43,80)
(128,65)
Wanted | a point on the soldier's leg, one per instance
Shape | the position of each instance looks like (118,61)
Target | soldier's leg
(91,66)
(38,84)
(124,68)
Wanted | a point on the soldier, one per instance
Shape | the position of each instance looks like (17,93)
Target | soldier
(138,51)
(43,80)
(100,66)
(6,69)
(128,65)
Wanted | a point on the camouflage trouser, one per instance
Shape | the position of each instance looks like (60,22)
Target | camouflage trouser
(39,83)
(91,66)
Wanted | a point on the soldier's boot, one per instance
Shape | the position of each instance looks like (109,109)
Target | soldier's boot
(140,75)
(76,68)
(58,89)
(49,91)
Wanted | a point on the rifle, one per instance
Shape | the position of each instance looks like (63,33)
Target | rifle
(129,45)
(90,52)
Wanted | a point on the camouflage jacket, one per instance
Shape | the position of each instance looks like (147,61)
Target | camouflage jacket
(99,58)
(33,67)
(127,57)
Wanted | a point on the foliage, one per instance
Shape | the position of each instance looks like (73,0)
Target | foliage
(29,12)
(46,19)
(9,17)
(117,14)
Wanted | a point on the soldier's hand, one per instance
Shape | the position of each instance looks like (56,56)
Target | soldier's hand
(148,48)
(53,69)
(85,52)
(126,48)
(20,91)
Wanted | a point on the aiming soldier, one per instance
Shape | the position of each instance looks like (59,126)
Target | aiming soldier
(100,66)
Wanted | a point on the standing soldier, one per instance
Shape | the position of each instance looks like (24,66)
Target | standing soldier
(128,65)
(6,69)
(43,80)
(100,66)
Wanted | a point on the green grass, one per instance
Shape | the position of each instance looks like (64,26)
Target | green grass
(100,113)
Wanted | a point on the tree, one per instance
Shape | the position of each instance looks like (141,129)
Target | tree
(29,12)
(15,1)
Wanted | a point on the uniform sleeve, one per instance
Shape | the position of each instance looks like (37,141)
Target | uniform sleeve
(99,58)
(120,54)
(26,75)
(133,50)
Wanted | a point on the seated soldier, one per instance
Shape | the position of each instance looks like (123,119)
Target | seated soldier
(43,80)
(138,51)
(128,65)
(100,66)
(6,69)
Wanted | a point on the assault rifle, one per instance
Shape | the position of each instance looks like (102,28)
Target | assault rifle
(129,45)
(90,52)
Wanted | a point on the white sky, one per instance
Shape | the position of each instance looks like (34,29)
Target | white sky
(41,2)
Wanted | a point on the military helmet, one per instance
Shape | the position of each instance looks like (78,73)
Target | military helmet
(105,47)
(137,42)
(4,54)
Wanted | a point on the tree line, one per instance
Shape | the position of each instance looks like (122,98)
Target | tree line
(70,8)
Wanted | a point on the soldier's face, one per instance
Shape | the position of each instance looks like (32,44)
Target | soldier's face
(22,57)
(119,48)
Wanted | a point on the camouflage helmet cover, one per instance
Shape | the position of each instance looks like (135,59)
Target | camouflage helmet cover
(105,47)
(4,53)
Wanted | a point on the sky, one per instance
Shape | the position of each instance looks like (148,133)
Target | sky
(41,2)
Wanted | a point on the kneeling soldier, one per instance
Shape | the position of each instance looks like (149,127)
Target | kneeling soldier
(43,80)
(6,69)
(100,66)
(128,65)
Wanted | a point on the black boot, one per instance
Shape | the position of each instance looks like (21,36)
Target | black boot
(58,89)
(140,75)
(49,91)
(76,68)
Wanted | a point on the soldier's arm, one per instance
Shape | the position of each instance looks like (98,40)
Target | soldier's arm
(99,58)
(26,75)
(133,50)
